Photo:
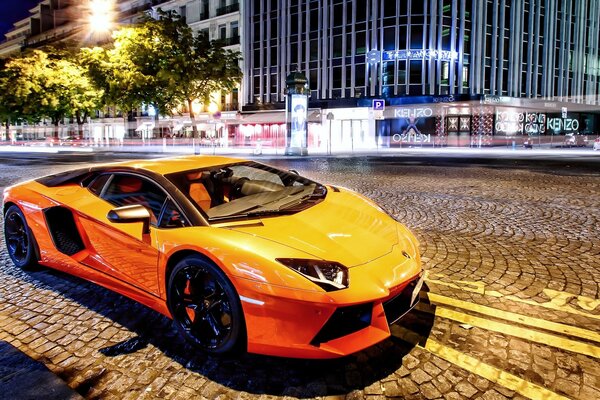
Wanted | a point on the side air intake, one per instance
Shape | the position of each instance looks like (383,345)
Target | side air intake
(63,230)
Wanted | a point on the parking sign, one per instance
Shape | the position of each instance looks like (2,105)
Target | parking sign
(378,105)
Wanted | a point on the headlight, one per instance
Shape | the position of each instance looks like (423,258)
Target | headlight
(329,275)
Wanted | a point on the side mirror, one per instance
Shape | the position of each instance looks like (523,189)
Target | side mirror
(293,171)
(130,214)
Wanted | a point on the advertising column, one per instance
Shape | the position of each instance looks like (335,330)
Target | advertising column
(297,114)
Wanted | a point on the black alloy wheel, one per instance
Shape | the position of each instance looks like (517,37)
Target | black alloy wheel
(19,239)
(206,307)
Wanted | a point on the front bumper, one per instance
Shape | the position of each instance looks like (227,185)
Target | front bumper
(291,325)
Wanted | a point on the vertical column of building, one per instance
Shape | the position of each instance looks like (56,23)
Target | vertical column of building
(397,45)
(475,72)
(536,49)
(304,32)
(515,64)
(247,47)
(501,67)
(565,33)
(495,67)
(548,59)
(372,39)
(327,49)
(578,51)
(283,45)
(593,64)
(529,65)
(432,63)
(452,81)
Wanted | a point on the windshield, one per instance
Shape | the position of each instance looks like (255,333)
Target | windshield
(245,190)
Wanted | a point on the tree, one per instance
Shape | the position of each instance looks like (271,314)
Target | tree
(161,63)
(208,68)
(47,86)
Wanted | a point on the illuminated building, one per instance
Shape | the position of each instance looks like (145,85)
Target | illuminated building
(451,72)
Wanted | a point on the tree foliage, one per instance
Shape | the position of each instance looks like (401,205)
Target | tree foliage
(157,62)
(42,85)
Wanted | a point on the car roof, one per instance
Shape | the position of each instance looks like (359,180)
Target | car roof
(164,166)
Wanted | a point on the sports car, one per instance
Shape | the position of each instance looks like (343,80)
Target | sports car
(242,256)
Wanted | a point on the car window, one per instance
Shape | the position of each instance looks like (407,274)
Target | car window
(171,217)
(129,189)
(98,184)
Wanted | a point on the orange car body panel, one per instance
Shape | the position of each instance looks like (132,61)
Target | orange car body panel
(283,310)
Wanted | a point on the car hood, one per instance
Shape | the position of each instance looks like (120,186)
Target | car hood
(344,227)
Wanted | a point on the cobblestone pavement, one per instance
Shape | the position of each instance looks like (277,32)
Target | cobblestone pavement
(513,309)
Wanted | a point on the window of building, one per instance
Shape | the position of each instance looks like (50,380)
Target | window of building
(338,15)
(416,73)
(337,77)
(222,31)
(389,38)
(361,43)
(234,29)
(337,46)
(359,71)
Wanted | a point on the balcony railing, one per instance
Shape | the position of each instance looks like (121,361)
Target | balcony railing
(228,9)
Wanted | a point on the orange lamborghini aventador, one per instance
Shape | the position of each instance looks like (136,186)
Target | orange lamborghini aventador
(242,256)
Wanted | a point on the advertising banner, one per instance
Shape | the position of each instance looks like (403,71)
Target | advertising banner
(298,111)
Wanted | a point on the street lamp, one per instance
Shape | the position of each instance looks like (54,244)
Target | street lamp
(101,15)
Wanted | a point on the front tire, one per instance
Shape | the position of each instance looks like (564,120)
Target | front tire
(19,239)
(205,306)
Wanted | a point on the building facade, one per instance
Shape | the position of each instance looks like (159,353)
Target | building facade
(53,21)
(451,72)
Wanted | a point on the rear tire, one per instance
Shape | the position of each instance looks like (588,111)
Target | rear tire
(19,239)
(205,307)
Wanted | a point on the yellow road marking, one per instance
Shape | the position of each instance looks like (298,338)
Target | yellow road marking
(514,317)
(491,373)
(477,367)
(558,300)
(534,336)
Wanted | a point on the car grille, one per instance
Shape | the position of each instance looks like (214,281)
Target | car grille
(344,321)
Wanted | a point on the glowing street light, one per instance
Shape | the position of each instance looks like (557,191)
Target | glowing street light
(101,15)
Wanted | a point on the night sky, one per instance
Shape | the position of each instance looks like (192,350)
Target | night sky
(12,11)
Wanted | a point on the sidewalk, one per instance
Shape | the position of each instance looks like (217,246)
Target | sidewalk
(23,378)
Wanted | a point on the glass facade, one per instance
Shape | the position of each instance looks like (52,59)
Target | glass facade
(377,48)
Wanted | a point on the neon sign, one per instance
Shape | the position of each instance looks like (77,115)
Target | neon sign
(428,54)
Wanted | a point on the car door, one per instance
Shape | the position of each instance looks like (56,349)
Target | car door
(121,249)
